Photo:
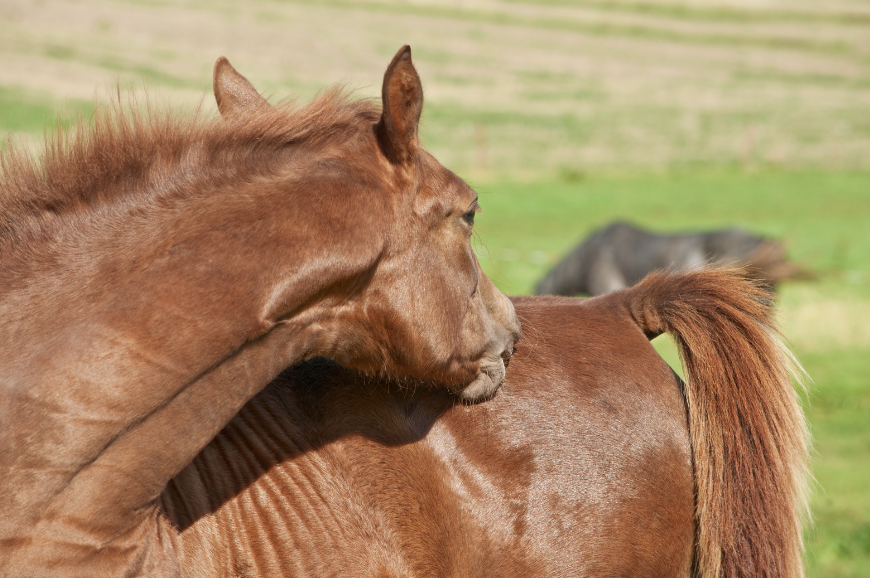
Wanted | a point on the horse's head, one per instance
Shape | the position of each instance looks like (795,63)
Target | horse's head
(421,306)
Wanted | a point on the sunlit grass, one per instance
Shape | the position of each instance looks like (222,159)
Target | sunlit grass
(23,111)
(838,543)
(821,217)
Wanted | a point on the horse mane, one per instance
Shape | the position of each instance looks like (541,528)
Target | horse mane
(132,155)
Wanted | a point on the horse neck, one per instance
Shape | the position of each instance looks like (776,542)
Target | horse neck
(119,367)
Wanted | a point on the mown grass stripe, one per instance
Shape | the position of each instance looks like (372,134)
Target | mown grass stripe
(713,14)
(635,31)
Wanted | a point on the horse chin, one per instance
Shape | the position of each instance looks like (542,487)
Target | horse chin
(485,385)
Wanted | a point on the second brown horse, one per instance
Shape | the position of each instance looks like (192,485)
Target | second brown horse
(593,460)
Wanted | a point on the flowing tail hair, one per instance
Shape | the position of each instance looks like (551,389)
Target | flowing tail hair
(748,434)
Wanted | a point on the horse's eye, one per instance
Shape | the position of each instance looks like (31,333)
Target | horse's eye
(469,217)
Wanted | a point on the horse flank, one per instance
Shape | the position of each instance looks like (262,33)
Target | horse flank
(157,156)
(749,438)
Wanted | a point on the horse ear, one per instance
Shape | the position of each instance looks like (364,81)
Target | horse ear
(234,94)
(402,96)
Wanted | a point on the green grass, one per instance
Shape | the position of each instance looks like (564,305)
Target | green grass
(838,543)
(821,216)
(28,112)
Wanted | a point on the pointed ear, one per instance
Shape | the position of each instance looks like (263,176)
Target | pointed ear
(234,94)
(402,96)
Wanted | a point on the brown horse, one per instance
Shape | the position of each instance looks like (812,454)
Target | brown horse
(594,459)
(155,273)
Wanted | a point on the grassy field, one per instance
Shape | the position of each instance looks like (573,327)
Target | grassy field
(520,88)
(565,115)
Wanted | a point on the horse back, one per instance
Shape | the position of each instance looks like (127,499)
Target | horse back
(607,420)
(579,466)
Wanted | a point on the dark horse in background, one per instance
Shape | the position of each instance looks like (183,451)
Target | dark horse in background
(158,272)
(620,254)
(593,460)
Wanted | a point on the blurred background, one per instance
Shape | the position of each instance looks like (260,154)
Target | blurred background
(677,115)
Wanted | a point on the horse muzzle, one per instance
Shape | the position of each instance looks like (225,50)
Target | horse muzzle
(489,378)
(491,371)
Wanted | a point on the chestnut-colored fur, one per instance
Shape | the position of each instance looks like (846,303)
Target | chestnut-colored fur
(748,432)
(594,459)
(158,271)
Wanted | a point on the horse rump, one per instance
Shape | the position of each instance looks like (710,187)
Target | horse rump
(748,435)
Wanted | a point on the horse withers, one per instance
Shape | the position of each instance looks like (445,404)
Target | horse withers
(593,460)
(159,271)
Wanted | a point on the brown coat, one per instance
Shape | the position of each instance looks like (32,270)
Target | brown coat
(156,272)
(593,459)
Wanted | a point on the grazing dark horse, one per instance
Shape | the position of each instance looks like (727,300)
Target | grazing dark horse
(155,274)
(619,255)
(594,459)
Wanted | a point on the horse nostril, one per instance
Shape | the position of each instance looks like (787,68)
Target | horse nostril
(506,355)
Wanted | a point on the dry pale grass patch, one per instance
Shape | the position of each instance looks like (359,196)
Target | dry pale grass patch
(816,321)
(512,86)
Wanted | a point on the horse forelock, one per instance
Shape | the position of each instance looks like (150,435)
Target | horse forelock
(141,155)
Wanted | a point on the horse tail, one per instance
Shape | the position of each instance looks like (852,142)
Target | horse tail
(748,434)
